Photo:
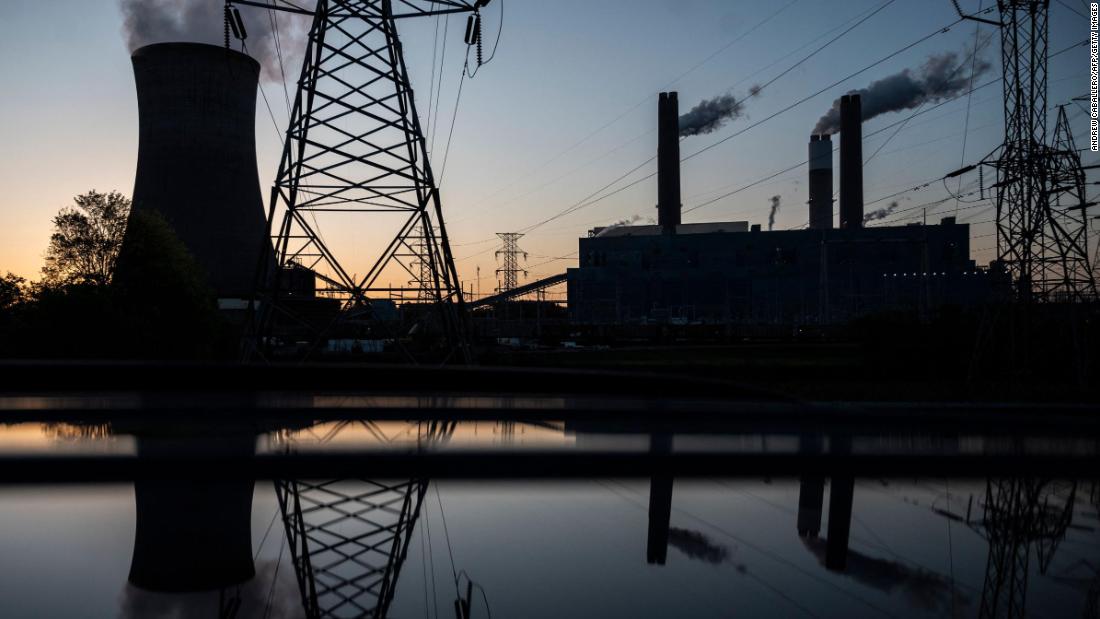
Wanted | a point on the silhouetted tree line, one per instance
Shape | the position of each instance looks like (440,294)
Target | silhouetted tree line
(100,298)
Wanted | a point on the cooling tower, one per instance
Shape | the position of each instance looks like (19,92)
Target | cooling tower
(197,157)
(668,161)
(851,162)
(821,182)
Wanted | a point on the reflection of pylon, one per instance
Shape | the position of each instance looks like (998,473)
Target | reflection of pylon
(349,538)
(511,252)
(348,541)
(1019,514)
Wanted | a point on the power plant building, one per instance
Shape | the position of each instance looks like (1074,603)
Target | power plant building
(731,273)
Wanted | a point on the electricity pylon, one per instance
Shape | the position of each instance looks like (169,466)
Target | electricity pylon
(511,252)
(355,153)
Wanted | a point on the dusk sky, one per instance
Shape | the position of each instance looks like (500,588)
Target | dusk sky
(567,106)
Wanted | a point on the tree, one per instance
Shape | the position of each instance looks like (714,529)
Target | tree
(12,291)
(86,239)
(169,308)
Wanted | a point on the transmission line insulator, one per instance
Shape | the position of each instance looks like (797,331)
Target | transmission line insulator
(477,35)
(473,29)
(233,17)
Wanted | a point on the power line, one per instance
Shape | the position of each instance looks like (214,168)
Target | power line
(641,102)
(822,90)
(585,202)
(966,123)
(591,199)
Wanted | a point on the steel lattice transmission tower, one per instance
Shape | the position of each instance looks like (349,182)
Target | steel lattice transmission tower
(355,153)
(1069,214)
(1042,249)
(511,252)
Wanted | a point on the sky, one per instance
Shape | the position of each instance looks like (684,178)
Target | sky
(566,107)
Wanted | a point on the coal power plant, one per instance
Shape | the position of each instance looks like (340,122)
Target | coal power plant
(197,159)
(735,273)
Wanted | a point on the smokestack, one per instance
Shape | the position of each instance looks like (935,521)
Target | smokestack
(197,157)
(851,162)
(821,182)
(668,162)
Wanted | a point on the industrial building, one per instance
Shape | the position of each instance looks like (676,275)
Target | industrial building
(734,273)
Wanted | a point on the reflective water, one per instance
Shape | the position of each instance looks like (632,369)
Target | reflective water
(863,544)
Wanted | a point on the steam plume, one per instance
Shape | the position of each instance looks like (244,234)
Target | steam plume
(771,214)
(881,213)
(201,21)
(619,224)
(710,115)
(942,76)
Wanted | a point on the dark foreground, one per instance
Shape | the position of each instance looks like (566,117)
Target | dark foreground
(154,490)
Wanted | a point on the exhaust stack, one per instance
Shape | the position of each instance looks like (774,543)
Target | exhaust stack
(821,182)
(668,162)
(851,162)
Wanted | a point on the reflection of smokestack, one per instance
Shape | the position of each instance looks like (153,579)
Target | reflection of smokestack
(821,182)
(197,156)
(841,494)
(668,161)
(851,162)
(660,505)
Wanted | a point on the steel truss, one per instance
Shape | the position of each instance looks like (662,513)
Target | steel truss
(511,252)
(349,539)
(355,153)
(1020,514)
(1041,239)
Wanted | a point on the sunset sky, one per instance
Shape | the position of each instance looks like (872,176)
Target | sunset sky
(567,106)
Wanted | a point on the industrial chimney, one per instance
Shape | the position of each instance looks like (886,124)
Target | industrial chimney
(821,182)
(197,157)
(851,162)
(668,162)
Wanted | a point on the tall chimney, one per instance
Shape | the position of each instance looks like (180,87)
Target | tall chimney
(851,162)
(668,162)
(197,156)
(821,182)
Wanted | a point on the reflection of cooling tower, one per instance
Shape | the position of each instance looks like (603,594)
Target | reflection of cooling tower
(193,535)
(197,156)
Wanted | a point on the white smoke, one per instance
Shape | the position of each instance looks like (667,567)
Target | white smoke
(633,219)
(771,214)
(942,76)
(202,21)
